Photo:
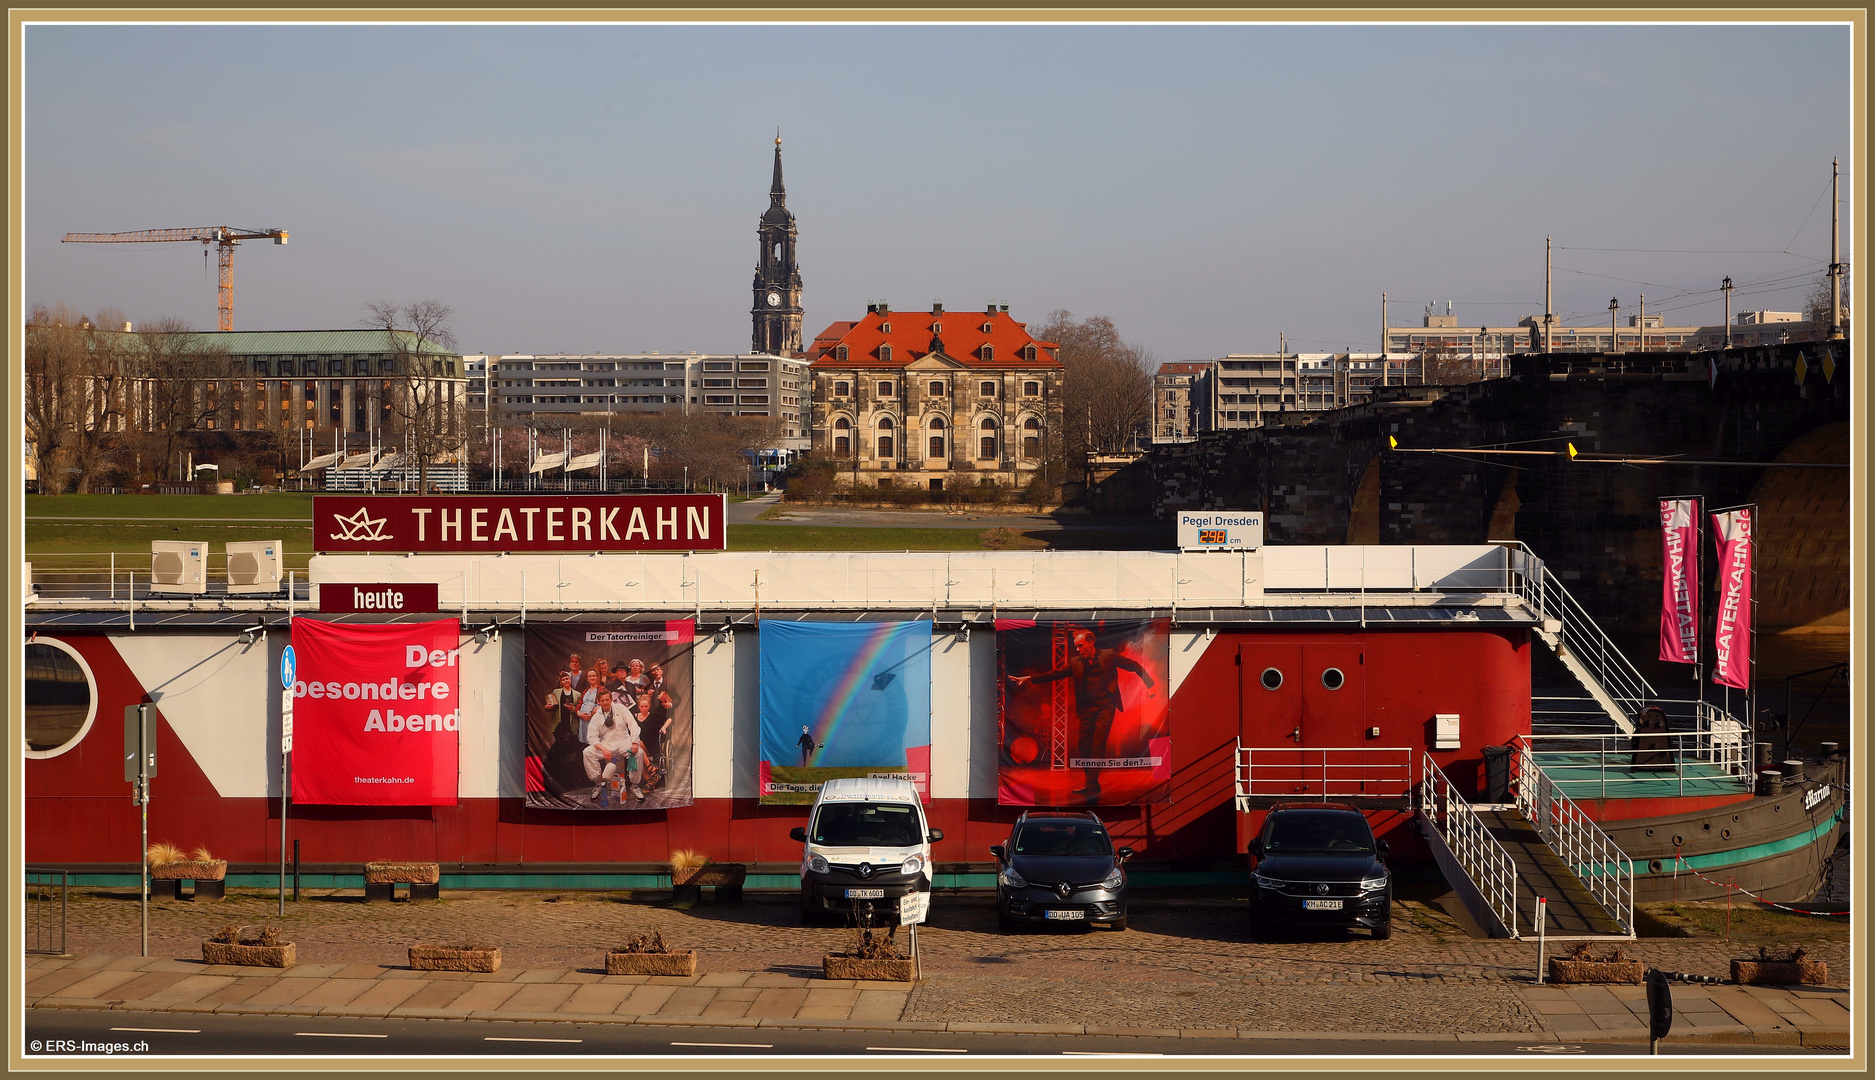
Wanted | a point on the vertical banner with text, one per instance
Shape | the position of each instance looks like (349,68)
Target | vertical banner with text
(844,699)
(1084,717)
(1731,633)
(376,713)
(1679,591)
(609,723)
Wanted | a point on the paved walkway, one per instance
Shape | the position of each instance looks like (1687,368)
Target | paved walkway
(1186,968)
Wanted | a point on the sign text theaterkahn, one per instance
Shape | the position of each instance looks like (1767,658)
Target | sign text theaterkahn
(534,522)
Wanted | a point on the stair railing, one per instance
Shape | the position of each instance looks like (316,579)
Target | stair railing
(1485,861)
(1576,630)
(1581,844)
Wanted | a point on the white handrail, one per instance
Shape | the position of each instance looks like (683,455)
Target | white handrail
(1581,844)
(1313,772)
(1479,854)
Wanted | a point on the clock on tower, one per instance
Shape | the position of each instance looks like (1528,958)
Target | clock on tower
(777,311)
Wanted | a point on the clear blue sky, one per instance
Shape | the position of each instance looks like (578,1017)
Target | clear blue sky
(596,188)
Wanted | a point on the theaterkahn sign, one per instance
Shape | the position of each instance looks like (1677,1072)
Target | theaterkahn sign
(488,524)
(342,598)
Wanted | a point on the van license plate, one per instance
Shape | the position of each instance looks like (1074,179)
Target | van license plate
(879,894)
(1076,914)
(1321,905)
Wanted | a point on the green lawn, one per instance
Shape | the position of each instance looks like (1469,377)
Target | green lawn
(185,507)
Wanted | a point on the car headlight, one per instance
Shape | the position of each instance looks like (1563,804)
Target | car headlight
(1374,884)
(1273,884)
(816,864)
(1113,880)
(1011,879)
(911,865)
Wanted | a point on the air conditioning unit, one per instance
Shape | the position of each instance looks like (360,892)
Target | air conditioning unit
(255,566)
(178,566)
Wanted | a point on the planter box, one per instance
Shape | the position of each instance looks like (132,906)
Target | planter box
(445,958)
(671,963)
(852,967)
(1780,972)
(1595,971)
(391,873)
(190,870)
(725,878)
(280,956)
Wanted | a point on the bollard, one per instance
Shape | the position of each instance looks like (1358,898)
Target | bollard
(1793,771)
(1542,918)
(1770,782)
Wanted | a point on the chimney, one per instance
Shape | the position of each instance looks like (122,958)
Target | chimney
(937,307)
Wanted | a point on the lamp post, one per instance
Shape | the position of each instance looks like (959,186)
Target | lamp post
(1614,328)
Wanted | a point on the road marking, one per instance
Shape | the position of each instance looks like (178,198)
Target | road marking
(167,1031)
(738,1046)
(341,1034)
(916,1050)
(1104,1053)
(1552,1049)
(518,1038)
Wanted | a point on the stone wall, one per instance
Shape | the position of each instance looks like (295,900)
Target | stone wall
(1332,478)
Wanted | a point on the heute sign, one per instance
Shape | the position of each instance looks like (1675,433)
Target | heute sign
(377,713)
(490,524)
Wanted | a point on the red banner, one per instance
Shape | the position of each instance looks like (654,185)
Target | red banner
(1679,592)
(490,524)
(376,713)
(1731,637)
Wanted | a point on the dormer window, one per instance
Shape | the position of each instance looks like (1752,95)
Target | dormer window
(885,354)
(989,352)
(986,328)
(839,353)
(1028,353)
(885,328)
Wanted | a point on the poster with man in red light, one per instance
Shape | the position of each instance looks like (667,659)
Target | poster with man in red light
(1084,718)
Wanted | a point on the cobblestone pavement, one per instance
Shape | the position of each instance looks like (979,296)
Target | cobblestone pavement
(1184,963)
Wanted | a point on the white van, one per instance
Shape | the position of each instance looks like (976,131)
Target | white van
(867,844)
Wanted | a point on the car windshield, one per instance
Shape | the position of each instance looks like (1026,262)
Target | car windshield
(866,825)
(1302,834)
(1062,838)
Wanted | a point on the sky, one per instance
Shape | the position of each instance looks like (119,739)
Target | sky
(597,188)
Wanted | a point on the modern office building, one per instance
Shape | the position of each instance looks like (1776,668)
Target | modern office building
(529,387)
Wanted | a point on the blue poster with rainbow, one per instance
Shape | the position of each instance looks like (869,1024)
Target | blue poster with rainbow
(844,699)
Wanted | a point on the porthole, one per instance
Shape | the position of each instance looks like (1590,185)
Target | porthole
(61,698)
(1654,866)
(1725,834)
(1679,841)
(1333,678)
(1650,832)
(1707,826)
(1272,679)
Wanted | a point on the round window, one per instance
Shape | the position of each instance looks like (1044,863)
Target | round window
(1272,679)
(1333,678)
(61,698)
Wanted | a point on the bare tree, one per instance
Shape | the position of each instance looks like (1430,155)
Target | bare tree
(179,378)
(1107,396)
(76,379)
(1443,365)
(714,447)
(1817,302)
(426,379)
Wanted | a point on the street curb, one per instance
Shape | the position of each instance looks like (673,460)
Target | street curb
(1737,1037)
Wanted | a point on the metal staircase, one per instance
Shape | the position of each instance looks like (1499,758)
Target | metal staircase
(1612,681)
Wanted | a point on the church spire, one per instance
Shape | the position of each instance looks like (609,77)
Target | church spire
(776,192)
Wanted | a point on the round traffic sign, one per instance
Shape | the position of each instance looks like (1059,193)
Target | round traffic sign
(287,667)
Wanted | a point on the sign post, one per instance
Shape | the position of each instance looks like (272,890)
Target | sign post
(912,908)
(1659,1009)
(288,671)
(139,767)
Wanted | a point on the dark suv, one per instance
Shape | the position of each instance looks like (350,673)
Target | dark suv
(1318,864)
(1060,867)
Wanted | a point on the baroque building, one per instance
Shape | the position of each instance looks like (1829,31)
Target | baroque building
(936,399)
(777,311)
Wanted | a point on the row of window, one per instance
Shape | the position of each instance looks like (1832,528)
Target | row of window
(935,388)
(935,448)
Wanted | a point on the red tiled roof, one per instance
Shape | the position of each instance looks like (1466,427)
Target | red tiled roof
(962,333)
(1183,368)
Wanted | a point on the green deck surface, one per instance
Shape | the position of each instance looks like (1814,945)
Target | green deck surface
(1611,776)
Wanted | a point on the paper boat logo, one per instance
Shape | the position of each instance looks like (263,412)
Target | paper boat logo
(360,526)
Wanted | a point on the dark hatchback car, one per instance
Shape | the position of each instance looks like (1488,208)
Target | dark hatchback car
(1319,865)
(1060,868)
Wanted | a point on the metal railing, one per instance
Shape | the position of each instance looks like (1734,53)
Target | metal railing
(1382,772)
(1715,756)
(46,904)
(1576,630)
(1581,844)
(1491,870)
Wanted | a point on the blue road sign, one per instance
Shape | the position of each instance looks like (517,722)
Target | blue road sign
(287,667)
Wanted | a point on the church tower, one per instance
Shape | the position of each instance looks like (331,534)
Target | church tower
(777,311)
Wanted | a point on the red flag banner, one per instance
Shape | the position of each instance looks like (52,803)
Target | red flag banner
(376,713)
(1679,594)
(1731,637)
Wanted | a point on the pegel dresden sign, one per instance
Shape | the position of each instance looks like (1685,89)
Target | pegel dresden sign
(489,524)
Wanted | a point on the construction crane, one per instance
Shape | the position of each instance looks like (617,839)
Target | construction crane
(223,237)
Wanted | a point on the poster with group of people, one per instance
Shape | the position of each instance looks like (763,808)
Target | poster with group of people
(609,715)
(1084,717)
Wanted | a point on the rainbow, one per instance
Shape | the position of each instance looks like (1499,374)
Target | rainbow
(839,700)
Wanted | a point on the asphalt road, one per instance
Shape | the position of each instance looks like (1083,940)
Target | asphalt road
(751,511)
(49,1033)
